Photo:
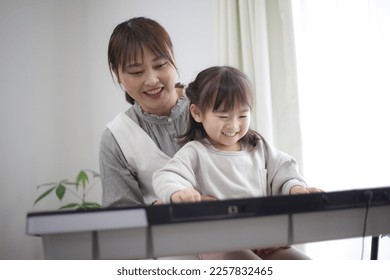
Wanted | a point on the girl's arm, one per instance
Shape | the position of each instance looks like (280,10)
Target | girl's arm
(282,172)
(175,182)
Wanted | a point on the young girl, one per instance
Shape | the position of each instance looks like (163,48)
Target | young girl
(223,157)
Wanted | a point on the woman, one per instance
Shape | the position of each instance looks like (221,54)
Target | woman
(141,140)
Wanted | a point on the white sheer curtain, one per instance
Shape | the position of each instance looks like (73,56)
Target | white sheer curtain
(343,51)
(256,37)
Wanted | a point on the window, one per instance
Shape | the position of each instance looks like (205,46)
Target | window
(343,63)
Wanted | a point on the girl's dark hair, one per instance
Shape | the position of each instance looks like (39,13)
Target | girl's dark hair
(218,88)
(128,40)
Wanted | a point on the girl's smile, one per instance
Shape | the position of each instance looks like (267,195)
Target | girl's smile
(229,134)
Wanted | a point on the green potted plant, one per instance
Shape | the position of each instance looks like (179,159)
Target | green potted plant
(85,181)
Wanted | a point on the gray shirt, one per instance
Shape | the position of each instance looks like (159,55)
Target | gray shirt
(119,181)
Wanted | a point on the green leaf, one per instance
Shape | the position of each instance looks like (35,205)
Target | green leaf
(70,205)
(87,205)
(82,178)
(60,191)
(44,194)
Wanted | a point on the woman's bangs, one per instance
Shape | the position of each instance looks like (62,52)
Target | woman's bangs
(135,51)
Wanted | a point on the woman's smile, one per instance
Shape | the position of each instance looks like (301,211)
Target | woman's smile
(154,91)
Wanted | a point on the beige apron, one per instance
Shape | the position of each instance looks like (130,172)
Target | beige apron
(140,152)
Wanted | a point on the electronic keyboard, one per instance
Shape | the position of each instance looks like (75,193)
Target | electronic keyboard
(191,228)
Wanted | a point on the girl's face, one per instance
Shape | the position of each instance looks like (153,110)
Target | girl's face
(224,129)
(151,83)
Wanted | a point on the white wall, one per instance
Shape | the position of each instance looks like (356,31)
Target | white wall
(56,93)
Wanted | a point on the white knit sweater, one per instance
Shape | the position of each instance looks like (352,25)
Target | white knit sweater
(259,171)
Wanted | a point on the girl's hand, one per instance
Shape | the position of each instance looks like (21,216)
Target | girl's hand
(186,195)
(303,190)
(207,198)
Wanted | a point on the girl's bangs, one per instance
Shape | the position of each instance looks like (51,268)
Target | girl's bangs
(232,94)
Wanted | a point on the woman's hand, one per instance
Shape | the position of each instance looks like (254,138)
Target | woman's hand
(303,190)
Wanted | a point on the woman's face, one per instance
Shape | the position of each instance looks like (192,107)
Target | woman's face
(151,83)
